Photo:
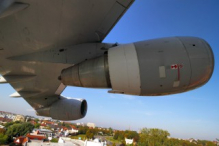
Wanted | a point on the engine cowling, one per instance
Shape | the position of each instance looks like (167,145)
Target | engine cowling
(65,109)
(153,67)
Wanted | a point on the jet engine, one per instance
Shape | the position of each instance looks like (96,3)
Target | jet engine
(153,67)
(65,109)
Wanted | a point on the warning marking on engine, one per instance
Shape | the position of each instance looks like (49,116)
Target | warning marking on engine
(176,66)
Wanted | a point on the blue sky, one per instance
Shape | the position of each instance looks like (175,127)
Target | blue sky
(191,114)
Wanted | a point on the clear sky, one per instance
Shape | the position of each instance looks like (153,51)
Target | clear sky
(192,114)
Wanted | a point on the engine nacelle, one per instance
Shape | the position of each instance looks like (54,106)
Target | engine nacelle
(153,67)
(92,73)
(65,109)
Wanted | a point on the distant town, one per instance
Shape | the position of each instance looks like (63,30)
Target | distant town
(16,129)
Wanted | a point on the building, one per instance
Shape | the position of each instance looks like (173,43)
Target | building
(216,143)
(42,131)
(2,116)
(64,131)
(54,127)
(73,130)
(5,120)
(7,115)
(21,141)
(19,118)
(128,141)
(91,125)
(36,136)
(33,122)
(42,126)
(192,140)
(80,124)
(95,142)
(48,122)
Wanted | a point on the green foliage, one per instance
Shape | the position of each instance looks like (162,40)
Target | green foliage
(111,139)
(8,124)
(66,125)
(95,131)
(83,129)
(148,137)
(19,129)
(158,137)
(205,143)
(177,142)
(121,135)
(3,139)
(17,122)
(59,124)
(2,131)
(89,134)
(132,135)
(82,137)
(106,132)
(36,120)
(37,125)
(153,137)
(123,143)
(55,140)
(110,131)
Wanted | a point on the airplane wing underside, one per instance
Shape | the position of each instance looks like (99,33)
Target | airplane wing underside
(28,26)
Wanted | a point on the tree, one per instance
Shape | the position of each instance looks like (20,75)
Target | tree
(19,129)
(2,131)
(83,129)
(123,143)
(119,135)
(37,125)
(110,131)
(132,135)
(153,137)
(3,139)
(89,135)
(176,142)
(66,125)
(8,124)
(205,143)
(17,122)
(116,135)
(36,120)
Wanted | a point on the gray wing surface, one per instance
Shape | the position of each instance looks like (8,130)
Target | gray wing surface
(27,26)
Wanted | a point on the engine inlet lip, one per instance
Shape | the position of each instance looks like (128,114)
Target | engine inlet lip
(212,55)
(84,108)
